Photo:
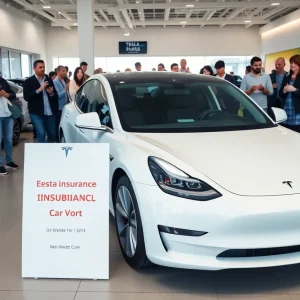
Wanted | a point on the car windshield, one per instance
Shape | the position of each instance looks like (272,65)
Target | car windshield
(185,106)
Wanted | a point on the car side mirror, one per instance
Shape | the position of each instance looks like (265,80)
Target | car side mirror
(280,115)
(89,121)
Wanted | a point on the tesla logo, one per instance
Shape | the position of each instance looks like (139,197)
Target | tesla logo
(66,149)
(289,183)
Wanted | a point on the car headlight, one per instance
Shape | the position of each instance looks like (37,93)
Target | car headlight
(177,183)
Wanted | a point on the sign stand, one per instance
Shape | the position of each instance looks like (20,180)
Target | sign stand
(66,211)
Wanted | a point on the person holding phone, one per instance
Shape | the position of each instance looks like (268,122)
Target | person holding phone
(42,98)
(258,85)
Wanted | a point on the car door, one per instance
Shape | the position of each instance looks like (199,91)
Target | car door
(96,101)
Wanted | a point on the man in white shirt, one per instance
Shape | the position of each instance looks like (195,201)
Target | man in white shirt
(6,126)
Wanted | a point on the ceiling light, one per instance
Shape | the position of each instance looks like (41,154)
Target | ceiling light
(46,7)
(183,22)
(248,21)
(127,34)
(190,5)
(275,4)
(75,24)
(137,2)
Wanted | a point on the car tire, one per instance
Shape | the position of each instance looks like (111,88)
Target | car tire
(62,139)
(129,225)
(16,132)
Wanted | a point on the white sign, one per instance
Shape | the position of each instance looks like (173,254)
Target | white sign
(66,211)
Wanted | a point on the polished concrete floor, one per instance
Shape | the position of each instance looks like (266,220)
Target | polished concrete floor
(155,283)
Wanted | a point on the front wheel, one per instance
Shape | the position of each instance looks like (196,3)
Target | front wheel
(129,225)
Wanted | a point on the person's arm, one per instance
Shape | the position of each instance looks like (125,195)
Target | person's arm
(58,87)
(30,94)
(268,90)
(11,95)
(244,86)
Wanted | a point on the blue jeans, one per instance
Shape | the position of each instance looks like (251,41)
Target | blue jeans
(6,131)
(44,125)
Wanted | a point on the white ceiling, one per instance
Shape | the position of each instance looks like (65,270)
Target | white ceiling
(132,14)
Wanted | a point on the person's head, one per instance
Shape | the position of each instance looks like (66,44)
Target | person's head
(61,72)
(70,74)
(274,71)
(220,67)
(183,64)
(39,67)
(207,70)
(232,73)
(295,65)
(128,70)
(98,71)
(138,66)
(52,75)
(248,70)
(280,64)
(256,65)
(78,76)
(161,67)
(67,69)
(84,66)
(153,69)
(174,68)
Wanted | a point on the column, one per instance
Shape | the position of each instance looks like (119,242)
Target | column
(85,19)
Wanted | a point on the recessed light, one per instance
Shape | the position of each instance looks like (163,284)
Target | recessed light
(190,5)
(248,21)
(183,22)
(275,4)
(127,34)
(75,24)
(137,2)
(47,7)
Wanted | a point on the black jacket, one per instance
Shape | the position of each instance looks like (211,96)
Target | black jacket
(6,87)
(273,100)
(295,95)
(36,101)
(230,78)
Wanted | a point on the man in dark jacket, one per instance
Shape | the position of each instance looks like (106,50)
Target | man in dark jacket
(40,93)
(220,68)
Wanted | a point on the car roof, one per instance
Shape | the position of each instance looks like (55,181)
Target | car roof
(159,76)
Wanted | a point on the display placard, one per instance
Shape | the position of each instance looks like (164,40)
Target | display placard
(133,47)
(66,211)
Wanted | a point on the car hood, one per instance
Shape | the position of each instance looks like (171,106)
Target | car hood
(248,162)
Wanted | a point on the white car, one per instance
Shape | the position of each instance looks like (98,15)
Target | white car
(200,176)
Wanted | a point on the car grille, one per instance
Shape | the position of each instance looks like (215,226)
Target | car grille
(236,253)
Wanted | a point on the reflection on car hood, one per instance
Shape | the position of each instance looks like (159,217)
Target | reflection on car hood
(249,162)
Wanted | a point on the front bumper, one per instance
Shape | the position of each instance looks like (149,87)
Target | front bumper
(232,222)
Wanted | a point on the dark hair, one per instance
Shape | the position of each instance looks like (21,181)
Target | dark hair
(51,74)
(58,69)
(83,63)
(78,82)
(138,64)
(296,60)
(39,61)
(67,68)
(254,60)
(174,65)
(161,65)
(219,64)
(209,69)
(248,69)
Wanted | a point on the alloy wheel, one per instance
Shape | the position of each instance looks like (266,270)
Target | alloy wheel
(126,221)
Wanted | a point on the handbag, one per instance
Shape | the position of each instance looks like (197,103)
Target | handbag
(16,113)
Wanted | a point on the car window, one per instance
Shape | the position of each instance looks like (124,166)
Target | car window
(185,106)
(92,98)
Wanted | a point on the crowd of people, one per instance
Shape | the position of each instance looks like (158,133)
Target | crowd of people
(47,95)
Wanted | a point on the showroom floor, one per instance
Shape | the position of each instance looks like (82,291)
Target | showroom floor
(157,283)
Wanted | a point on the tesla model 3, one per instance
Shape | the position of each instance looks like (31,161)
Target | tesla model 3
(200,176)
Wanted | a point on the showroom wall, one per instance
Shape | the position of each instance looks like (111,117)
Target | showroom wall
(282,34)
(19,31)
(196,41)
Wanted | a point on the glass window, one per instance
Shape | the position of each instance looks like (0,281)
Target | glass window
(185,105)
(5,64)
(92,98)
(26,65)
(15,64)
